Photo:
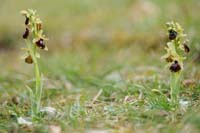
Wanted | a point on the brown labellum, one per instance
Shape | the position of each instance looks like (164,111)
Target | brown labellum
(29,60)
(40,43)
(27,21)
(172,34)
(187,49)
(175,67)
(169,59)
(26,33)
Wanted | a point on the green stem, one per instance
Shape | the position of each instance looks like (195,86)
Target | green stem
(175,87)
(37,86)
(37,93)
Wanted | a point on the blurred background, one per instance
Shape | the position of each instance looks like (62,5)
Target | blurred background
(111,23)
(99,31)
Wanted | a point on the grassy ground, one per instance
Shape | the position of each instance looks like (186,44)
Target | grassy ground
(103,67)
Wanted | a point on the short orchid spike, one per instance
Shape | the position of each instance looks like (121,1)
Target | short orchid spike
(34,39)
(177,50)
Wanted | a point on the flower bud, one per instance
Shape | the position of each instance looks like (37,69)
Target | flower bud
(26,33)
(39,26)
(40,43)
(175,67)
(172,34)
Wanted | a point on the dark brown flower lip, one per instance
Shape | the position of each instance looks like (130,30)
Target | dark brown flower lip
(175,67)
(172,34)
(186,48)
(29,60)
(26,33)
(40,43)
(27,21)
(169,59)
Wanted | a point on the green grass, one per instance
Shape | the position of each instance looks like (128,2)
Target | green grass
(127,101)
(103,51)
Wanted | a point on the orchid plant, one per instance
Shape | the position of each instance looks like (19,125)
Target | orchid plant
(34,40)
(177,49)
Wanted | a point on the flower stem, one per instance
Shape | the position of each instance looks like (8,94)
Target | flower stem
(175,87)
(37,93)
